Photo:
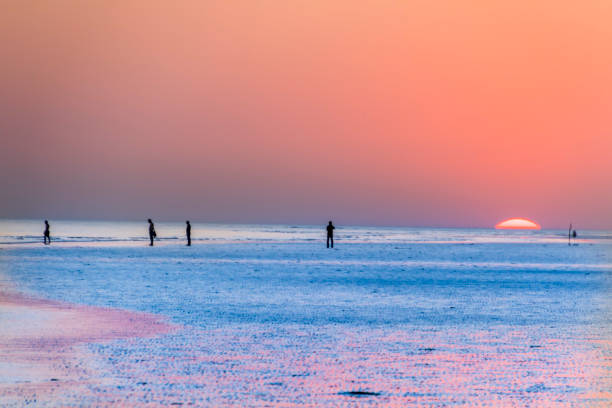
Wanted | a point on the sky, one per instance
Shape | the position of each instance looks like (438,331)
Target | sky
(414,113)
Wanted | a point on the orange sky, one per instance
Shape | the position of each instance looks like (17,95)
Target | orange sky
(443,113)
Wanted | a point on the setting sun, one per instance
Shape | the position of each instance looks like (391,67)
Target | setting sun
(518,223)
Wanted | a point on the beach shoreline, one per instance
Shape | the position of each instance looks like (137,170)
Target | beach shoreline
(40,344)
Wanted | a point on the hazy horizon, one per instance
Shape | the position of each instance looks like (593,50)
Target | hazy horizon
(195,222)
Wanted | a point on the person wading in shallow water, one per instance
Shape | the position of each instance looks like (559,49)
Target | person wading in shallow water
(47,234)
(188,232)
(152,233)
(571,233)
(330,234)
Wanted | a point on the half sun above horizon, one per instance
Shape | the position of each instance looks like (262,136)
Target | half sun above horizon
(518,223)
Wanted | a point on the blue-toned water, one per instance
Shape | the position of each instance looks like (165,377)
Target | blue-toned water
(269,316)
(125,232)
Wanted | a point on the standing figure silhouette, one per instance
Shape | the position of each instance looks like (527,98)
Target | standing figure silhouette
(188,231)
(330,234)
(47,234)
(152,233)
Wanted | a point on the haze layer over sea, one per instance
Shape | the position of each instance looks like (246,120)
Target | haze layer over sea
(265,315)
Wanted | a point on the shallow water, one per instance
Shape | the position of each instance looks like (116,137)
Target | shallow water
(391,317)
(129,233)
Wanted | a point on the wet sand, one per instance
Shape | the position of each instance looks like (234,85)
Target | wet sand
(41,360)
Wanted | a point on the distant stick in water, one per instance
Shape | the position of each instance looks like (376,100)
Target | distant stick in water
(188,231)
(330,234)
(47,234)
(152,233)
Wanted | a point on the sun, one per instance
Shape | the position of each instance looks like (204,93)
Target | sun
(518,223)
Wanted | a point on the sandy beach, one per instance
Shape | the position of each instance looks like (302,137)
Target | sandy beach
(42,361)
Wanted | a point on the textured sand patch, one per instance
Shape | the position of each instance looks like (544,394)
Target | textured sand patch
(39,353)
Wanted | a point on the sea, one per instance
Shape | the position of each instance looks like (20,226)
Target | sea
(268,316)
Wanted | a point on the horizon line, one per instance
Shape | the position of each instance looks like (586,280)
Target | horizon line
(195,220)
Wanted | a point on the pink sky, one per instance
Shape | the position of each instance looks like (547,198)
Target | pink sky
(446,113)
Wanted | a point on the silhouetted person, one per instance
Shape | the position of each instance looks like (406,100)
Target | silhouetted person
(47,234)
(188,231)
(574,235)
(152,233)
(330,234)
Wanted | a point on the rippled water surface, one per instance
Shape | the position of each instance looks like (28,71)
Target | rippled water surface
(390,317)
